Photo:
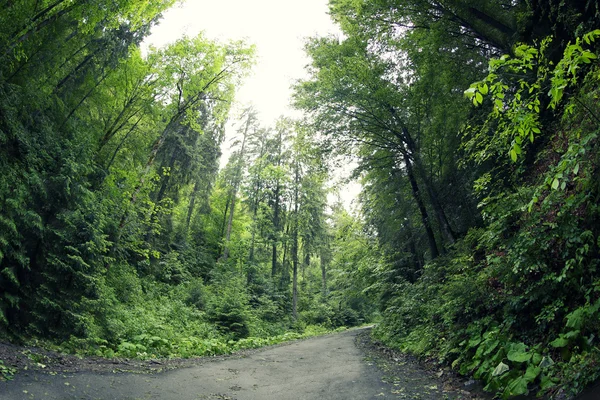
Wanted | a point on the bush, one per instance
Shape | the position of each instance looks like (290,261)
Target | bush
(228,307)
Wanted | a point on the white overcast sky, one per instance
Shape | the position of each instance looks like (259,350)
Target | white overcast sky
(276,27)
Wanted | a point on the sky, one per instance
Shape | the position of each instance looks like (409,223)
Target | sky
(278,28)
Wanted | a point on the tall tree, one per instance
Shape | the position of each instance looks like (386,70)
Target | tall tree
(248,127)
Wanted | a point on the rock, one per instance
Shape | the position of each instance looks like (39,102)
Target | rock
(470,384)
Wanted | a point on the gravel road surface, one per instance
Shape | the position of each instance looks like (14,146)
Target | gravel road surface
(329,367)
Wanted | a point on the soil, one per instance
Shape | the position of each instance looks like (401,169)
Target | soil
(398,365)
(35,359)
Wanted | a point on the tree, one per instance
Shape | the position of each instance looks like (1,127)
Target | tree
(350,95)
(248,127)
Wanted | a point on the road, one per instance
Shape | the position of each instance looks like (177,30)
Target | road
(329,367)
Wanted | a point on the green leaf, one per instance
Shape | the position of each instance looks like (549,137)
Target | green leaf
(470,92)
(576,169)
(516,387)
(589,55)
(513,155)
(484,89)
(546,362)
(517,149)
(546,382)
(474,342)
(500,369)
(555,184)
(518,353)
(559,342)
(576,318)
(532,372)
(479,98)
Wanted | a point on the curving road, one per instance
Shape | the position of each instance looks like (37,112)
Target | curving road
(326,368)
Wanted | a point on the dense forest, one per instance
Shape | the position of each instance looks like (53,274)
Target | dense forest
(475,126)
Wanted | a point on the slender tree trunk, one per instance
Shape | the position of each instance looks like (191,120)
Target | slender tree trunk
(408,149)
(166,178)
(84,98)
(42,13)
(421,205)
(25,35)
(121,143)
(116,126)
(276,229)
(295,245)
(306,263)
(273,257)
(324,261)
(295,274)
(190,209)
(252,240)
(224,224)
(439,213)
(284,279)
(257,189)
(229,227)
(236,184)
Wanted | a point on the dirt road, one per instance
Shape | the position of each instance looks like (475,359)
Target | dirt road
(326,368)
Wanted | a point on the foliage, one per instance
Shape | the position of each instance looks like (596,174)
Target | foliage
(6,373)
(515,303)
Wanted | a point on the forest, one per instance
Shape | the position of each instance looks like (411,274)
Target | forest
(474,124)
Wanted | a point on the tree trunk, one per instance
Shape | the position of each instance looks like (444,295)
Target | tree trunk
(324,261)
(190,210)
(276,223)
(295,246)
(253,239)
(236,183)
(225,254)
(439,213)
(306,263)
(421,205)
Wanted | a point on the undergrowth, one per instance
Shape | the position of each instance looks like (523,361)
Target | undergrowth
(145,346)
(6,373)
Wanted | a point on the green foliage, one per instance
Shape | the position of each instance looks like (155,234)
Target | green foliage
(228,308)
(516,303)
(6,373)
(99,149)
(516,114)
